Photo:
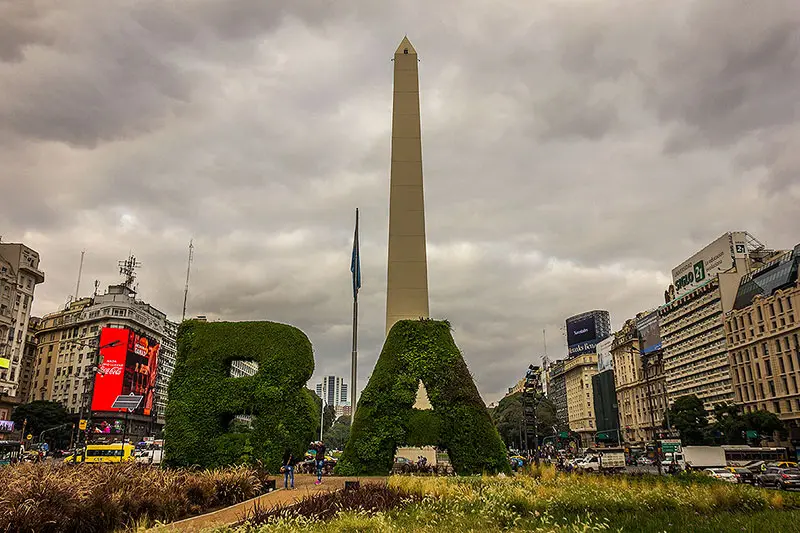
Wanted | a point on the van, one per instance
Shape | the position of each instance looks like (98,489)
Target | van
(105,453)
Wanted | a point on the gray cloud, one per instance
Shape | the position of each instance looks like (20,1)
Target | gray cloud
(574,153)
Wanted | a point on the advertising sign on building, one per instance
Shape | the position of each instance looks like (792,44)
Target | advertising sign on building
(129,367)
(649,333)
(605,360)
(6,426)
(704,265)
(585,330)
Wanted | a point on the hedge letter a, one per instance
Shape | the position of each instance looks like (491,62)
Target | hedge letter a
(422,350)
(204,400)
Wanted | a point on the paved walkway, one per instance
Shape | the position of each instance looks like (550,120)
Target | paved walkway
(304,486)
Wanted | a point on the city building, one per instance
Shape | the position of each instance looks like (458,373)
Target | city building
(28,361)
(519,386)
(557,392)
(578,372)
(19,275)
(334,390)
(640,383)
(67,349)
(343,410)
(606,410)
(695,353)
(763,337)
(585,330)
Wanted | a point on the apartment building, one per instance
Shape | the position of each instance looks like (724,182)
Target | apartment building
(19,275)
(695,352)
(67,343)
(763,336)
(640,385)
(557,391)
(578,372)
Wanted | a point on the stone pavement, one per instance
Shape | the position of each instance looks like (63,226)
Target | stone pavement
(304,486)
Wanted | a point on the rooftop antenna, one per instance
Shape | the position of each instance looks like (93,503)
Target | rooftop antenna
(188,270)
(80,271)
(128,268)
(96,285)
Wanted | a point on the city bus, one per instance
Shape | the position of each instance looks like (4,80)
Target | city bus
(10,452)
(739,455)
(105,453)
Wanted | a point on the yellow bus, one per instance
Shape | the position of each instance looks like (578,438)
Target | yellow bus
(105,453)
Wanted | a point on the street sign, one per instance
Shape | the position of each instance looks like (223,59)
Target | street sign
(127,401)
(82,425)
(563,435)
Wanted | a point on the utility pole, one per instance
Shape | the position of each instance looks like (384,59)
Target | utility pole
(188,270)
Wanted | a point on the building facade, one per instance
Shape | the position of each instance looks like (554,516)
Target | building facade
(67,349)
(578,372)
(640,386)
(557,392)
(334,389)
(763,336)
(695,352)
(19,275)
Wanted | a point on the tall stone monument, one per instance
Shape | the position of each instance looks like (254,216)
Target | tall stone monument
(407,277)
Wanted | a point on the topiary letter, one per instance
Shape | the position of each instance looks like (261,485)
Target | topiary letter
(385,419)
(204,399)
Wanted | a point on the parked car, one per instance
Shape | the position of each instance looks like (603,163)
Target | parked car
(782,478)
(723,474)
(743,475)
(644,461)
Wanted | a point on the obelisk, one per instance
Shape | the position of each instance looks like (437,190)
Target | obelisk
(407,277)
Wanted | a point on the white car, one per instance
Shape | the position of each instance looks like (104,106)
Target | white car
(644,461)
(722,474)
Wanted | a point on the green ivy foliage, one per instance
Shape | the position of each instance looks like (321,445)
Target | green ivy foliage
(385,419)
(203,399)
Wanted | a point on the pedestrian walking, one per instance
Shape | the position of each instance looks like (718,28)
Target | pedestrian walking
(288,468)
(320,460)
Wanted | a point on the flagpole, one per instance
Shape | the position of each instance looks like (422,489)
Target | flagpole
(354,353)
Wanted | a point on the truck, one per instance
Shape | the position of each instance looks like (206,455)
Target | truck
(604,460)
(697,457)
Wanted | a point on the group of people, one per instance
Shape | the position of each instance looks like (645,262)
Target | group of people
(290,463)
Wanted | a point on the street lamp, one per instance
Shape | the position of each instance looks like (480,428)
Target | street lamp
(93,370)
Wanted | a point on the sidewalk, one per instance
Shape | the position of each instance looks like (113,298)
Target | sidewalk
(304,486)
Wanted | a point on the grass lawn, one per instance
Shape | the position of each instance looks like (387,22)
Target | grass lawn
(543,501)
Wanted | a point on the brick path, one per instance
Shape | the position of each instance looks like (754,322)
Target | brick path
(304,486)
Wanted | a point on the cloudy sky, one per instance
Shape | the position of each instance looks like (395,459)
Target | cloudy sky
(574,152)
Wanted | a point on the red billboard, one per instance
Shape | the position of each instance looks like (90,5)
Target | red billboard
(129,367)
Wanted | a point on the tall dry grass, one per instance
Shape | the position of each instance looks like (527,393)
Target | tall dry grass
(58,497)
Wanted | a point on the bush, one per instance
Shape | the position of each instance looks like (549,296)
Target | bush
(58,497)
(204,399)
(385,419)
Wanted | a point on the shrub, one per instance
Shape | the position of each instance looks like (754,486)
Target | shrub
(385,419)
(204,399)
(58,497)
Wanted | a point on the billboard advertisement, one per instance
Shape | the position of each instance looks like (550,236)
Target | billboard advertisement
(704,265)
(129,367)
(604,359)
(581,329)
(6,426)
(649,333)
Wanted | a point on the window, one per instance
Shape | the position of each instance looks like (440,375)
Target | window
(760,314)
(768,367)
(780,362)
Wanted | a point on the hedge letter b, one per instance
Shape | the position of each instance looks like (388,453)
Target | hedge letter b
(204,400)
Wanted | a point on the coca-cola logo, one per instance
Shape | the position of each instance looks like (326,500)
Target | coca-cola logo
(115,370)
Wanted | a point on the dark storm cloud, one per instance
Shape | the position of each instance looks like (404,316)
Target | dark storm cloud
(574,153)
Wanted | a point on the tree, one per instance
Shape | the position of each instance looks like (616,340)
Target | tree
(336,437)
(688,416)
(764,422)
(42,415)
(507,417)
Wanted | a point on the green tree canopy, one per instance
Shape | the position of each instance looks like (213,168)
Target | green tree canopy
(731,425)
(41,415)
(688,416)
(508,419)
(336,437)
